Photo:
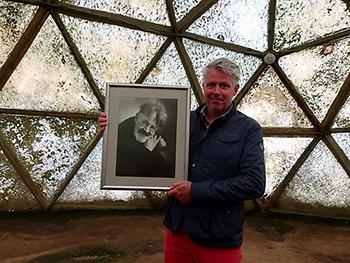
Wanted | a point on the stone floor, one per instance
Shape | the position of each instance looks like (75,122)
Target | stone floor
(137,236)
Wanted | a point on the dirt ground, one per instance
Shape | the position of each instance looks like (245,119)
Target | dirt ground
(137,236)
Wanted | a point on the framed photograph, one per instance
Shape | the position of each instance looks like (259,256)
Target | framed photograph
(145,145)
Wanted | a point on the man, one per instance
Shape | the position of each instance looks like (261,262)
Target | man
(141,150)
(204,215)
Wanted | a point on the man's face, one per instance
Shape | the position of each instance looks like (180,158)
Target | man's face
(145,126)
(219,91)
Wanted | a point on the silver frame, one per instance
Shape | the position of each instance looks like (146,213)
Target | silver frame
(115,91)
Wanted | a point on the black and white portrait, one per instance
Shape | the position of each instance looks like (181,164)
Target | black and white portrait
(146,137)
(145,145)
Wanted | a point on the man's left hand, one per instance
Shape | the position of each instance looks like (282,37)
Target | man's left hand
(182,191)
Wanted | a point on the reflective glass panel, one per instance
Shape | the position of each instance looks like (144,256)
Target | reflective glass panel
(49,147)
(280,155)
(343,118)
(343,139)
(269,102)
(181,8)
(236,21)
(318,73)
(202,54)
(169,70)
(85,186)
(48,78)
(149,10)
(112,53)
(14,18)
(320,181)
(194,102)
(301,21)
(14,194)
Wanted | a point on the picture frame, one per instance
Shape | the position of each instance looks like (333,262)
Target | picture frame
(145,144)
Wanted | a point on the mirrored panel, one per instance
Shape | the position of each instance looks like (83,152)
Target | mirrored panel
(343,118)
(169,70)
(235,21)
(343,140)
(202,54)
(48,147)
(149,10)
(14,18)
(85,186)
(280,155)
(301,21)
(112,53)
(320,181)
(48,78)
(181,8)
(269,102)
(318,73)
(194,102)
(14,194)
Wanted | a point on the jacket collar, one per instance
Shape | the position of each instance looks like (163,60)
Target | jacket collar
(201,112)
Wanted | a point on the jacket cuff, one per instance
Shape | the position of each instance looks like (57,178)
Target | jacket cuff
(198,192)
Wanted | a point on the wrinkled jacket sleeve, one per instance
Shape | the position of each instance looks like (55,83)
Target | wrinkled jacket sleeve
(249,183)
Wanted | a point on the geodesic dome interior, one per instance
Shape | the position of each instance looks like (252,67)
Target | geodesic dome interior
(56,57)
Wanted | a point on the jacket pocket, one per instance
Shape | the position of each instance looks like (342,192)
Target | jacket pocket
(228,150)
(227,223)
(227,138)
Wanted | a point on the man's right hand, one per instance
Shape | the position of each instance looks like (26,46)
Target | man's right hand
(102,121)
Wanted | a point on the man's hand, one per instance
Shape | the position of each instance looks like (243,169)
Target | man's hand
(102,121)
(182,191)
(152,142)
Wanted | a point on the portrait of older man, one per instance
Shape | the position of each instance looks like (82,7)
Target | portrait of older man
(142,148)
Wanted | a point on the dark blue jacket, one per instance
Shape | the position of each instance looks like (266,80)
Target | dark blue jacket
(226,167)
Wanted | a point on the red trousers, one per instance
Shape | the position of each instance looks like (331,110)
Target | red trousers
(179,248)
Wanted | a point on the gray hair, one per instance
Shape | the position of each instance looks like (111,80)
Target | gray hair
(226,66)
(158,107)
